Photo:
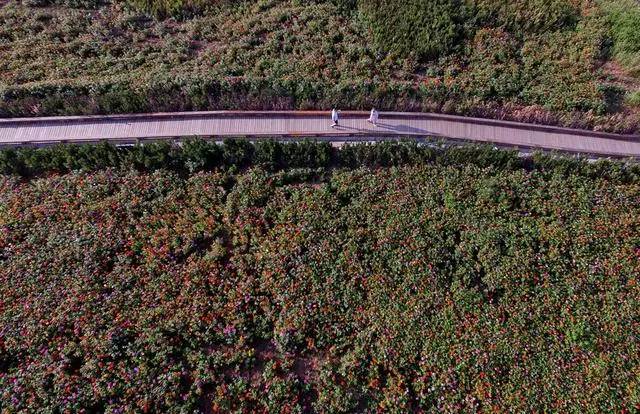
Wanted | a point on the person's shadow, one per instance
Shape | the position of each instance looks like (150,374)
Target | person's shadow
(348,128)
(404,129)
(381,127)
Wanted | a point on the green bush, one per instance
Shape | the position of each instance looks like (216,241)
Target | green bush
(428,29)
(633,99)
(165,8)
(199,155)
(624,20)
(525,16)
(493,70)
(422,28)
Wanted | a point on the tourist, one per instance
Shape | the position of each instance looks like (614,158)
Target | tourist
(335,117)
(373,118)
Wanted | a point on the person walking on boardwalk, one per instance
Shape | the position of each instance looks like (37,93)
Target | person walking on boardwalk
(373,118)
(335,115)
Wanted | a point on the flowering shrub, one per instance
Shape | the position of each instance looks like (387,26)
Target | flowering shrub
(449,287)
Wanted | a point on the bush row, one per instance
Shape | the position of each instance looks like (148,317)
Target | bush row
(186,92)
(487,82)
(191,156)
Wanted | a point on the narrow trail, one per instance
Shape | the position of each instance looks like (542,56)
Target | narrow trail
(122,129)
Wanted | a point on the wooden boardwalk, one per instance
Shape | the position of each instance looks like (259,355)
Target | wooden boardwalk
(292,124)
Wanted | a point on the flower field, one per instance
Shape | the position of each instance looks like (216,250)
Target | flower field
(533,61)
(418,288)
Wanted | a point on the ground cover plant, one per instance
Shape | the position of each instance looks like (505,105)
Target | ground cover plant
(532,61)
(436,285)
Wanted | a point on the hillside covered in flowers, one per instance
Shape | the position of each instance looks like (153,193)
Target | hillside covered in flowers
(416,288)
(567,62)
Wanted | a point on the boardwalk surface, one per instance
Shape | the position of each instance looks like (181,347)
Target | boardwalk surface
(353,126)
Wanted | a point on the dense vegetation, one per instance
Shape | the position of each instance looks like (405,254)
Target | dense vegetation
(426,29)
(195,155)
(431,28)
(527,60)
(624,17)
(439,286)
(303,278)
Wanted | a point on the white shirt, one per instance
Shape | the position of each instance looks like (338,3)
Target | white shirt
(334,115)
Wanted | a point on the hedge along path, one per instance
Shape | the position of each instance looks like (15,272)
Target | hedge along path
(293,124)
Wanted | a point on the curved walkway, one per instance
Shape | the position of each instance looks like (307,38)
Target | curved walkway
(292,124)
